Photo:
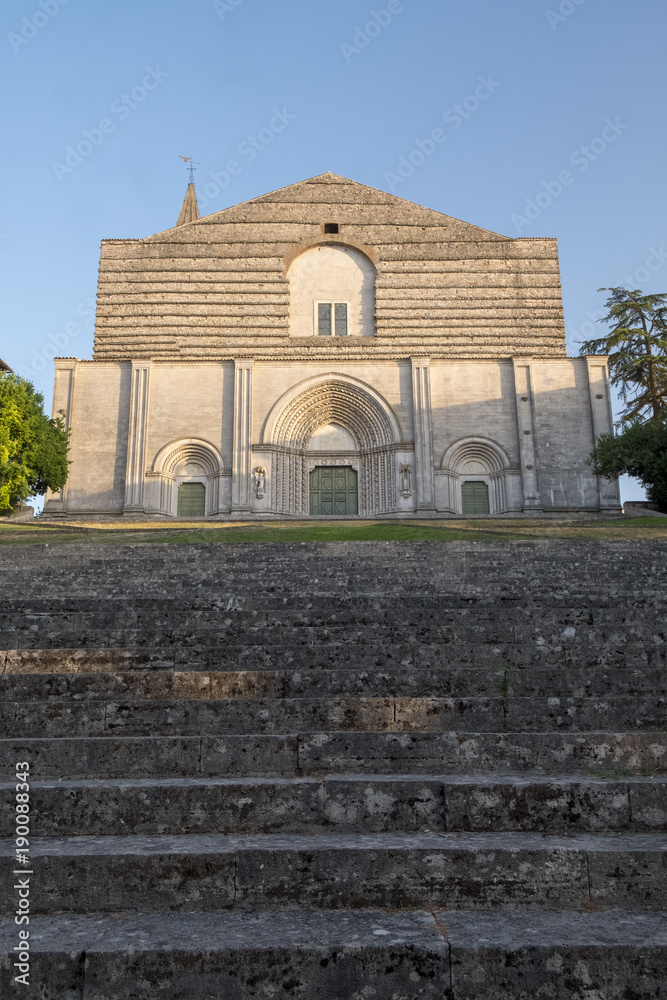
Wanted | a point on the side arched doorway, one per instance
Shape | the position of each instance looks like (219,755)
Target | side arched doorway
(187,480)
(478,478)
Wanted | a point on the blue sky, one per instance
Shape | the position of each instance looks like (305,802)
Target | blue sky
(574,86)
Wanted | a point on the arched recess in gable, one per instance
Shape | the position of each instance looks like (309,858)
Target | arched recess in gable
(331,275)
(188,460)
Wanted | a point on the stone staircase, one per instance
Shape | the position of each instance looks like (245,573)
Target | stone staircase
(338,771)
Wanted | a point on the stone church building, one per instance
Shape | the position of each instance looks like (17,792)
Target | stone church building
(328,350)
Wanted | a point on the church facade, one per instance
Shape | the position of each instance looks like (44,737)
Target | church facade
(330,350)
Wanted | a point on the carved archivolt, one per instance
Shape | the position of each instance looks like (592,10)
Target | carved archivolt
(189,450)
(478,451)
(341,399)
(332,398)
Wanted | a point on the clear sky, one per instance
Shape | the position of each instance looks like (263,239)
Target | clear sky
(553,113)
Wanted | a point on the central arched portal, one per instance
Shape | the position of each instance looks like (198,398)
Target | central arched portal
(334,442)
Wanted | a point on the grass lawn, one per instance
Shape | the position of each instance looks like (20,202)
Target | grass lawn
(433,530)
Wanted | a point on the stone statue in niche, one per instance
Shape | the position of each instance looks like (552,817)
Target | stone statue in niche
(260,482)
(406,490)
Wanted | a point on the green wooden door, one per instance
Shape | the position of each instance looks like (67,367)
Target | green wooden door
(333,490)
(191,500)
(475,498)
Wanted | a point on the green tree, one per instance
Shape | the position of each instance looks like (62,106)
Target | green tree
(637,349)
(33,448)
(640,451)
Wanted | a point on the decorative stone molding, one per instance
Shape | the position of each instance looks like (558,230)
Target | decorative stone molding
(602,421)
(323,241)
(475,449)
(241,458)
(527,438)
(136,437)
(421,409)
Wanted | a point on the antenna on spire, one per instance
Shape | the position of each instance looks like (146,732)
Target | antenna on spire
(191,165)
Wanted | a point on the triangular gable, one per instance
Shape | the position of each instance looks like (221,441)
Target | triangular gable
(332,189)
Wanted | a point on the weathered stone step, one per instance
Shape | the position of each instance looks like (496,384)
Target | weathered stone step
(394,681)
(486,630)
(605,754)
(401,611)
(236,956)
(612,755)
(344,870)
(336,656)
(416,597)
(294,715)
(499,564)
(339,955)
(345,803)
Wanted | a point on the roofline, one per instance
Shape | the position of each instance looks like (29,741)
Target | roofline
(308,180)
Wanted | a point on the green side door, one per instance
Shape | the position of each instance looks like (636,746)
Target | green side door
(333,491)
(191,500)
(475,498)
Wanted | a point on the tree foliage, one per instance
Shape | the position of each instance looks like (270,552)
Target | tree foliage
(637,349)
(639,451)
(33,448)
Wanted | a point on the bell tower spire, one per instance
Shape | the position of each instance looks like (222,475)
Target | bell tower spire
(190,209)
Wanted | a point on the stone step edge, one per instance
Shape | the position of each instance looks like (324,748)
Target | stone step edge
(513,780)
(198,844)
(118,658)
(197,754)
(508,929)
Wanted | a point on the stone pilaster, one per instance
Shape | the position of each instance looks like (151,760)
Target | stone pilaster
(525,418)
(242,456)
(136,438)
(423,433)
(602,421)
